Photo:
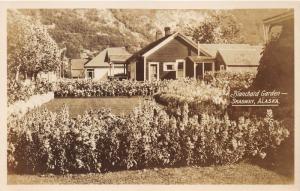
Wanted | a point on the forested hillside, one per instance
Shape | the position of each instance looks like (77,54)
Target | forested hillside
(95,29)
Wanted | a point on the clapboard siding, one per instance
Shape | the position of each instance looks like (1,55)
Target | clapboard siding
(175,49)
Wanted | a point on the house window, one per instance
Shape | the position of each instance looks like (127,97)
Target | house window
(169,66)
(180,68)
(222,67)
(90,73)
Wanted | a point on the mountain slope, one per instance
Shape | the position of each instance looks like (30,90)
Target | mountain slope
(96,29)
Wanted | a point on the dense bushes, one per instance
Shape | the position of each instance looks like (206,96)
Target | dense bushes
(200,97)
(233,80)
(218,86)
(88,88)
(148,137)
(21,91)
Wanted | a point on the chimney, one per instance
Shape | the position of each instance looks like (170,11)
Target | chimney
(167,31)
(158,35)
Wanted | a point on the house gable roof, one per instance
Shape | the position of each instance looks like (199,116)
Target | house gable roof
(212,49)
(240,57)
(156,45)
(113,54)
(78,64)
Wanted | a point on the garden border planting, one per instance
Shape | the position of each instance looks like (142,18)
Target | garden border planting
(99,141)
(20,108)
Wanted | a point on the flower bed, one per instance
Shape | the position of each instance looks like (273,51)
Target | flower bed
(233,80)
(88,88)
(98,141)
(200,97)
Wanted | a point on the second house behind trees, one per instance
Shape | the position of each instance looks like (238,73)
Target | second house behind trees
(108,63)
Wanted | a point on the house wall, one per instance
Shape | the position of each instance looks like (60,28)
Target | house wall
(247,68)
(218,62)
(103,73)
(241,68)
(140,69)
(175,49)
(189,72)
(100,73)
(132,70)
(166,75)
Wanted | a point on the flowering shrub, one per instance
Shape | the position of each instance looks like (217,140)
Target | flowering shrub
(98,141)
(233,80)
(23,90)
(200,97)
(88,88)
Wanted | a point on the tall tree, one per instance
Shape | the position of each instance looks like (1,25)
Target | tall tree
(217,27)
(30,47)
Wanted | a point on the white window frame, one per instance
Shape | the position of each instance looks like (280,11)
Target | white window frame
(184,67)
(174,64)
(153,63)
(222,67)
(90,70)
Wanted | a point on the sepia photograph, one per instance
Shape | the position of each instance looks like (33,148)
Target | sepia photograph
(150,96)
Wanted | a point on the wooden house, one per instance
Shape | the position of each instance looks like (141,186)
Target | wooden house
(108,63)
(167,58)
(176,56)
(77,68)
(234,57)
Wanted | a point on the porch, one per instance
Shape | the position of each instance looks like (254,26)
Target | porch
(202,65)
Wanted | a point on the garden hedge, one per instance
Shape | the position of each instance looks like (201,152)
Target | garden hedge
(99,141)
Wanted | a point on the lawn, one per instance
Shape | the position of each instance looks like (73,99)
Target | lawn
(77,106)
(242,173)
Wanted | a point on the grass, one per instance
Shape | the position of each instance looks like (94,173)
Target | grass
(242,173)
(77,106)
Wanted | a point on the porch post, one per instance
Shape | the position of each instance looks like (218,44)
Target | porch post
(145,63)
(213,66)
(203,70)
(195,66)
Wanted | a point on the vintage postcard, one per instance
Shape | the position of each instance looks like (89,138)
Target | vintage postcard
(149,95)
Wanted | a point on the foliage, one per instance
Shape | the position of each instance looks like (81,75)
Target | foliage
(99,141)
(21,91)
(95,29)
(30,47)
(200,97)
(276,68)
(88,88)
(232,80)
(218,27)
(209,96)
